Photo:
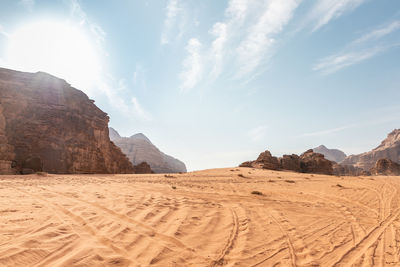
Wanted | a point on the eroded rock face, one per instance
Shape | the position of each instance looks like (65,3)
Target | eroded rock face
(388,149)
(312,162)
(308,162)
(386,167)
(290,163)
(139,149)
(46,125)
(335,155)
(142,168)
(266,161)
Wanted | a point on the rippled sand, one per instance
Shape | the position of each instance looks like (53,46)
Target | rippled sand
(203,218)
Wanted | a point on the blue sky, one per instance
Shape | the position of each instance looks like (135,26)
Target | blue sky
(214,83)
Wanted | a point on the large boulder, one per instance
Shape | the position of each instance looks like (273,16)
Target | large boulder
(47,125)
(386,167)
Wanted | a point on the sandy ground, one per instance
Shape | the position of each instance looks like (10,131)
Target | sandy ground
(204,218)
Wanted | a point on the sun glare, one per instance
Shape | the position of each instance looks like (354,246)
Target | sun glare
(59,48)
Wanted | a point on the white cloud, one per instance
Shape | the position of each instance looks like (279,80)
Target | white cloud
(339,61)
(378,33)
(242,41)
(193,66)
(172,11)
(255,47)
(326,10)
(361,49)
(257,133)
(28,4)
(218,47)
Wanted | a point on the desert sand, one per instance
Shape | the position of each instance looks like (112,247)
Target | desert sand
(204,218)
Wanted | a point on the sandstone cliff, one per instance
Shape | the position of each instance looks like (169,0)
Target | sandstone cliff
(389,149)
(335,155)
(47,125)
(139,149)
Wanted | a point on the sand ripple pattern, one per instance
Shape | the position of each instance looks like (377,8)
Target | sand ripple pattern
(205,218)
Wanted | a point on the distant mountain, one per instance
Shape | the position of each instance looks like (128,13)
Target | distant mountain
(330,154)
(388,149)
(139,148)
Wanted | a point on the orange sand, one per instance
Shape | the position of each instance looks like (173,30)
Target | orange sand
(211,218)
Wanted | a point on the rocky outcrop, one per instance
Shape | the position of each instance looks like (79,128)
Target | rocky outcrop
(139,149)
(335,155)
(143,168)
(266,161)
(47,125)
(388,149)
(308,162)
(290,163)
(386,167)
(312,162)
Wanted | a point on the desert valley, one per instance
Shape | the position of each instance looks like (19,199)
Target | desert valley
(199,133)
(73,207)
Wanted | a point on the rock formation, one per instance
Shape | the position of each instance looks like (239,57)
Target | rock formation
(386,167)
(388,149)
(335,155)
(312,162)
(47,125)
(139,149)
(308,162)
(290,163)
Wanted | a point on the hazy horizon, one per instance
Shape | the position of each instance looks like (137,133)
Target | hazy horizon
(216,83)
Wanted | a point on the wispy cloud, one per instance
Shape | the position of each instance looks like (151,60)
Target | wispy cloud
(378,33)
(361,49)
(257,133)
(173,9)
(242,42)
(255,47)
(28,4)
(192,65)
(326,10)
(78,13)
(334,63)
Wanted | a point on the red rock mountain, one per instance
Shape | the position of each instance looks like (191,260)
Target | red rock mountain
(139,149)
(388,149)
(47,125)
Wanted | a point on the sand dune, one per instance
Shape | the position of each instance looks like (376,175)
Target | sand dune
(211,218)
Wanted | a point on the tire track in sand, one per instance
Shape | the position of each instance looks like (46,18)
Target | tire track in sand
(354,253)
(231,241)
